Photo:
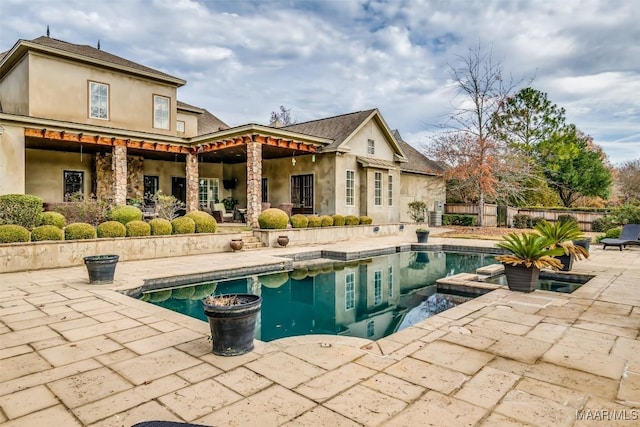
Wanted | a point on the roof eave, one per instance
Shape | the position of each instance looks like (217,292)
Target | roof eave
(262,130)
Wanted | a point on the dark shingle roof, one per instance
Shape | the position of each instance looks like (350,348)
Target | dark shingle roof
(207,122)
(417,162)
(100,55)
(337,128)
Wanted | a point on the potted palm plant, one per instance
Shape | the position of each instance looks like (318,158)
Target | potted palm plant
(529,252)
(232,320)
(564,235)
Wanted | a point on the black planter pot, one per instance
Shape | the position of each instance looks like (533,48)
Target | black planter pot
(521,278)
(567,262)
(101,268)
(233,327)
(422,236)
(585,243)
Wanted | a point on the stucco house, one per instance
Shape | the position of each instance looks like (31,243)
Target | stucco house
(75,119)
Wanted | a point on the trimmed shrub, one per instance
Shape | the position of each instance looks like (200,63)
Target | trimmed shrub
(338,220)
(273,218)
(53,218)
(351,220)
(46,232)
(183,225)
(314,221)
(111,229)
(12,233)
(205,223)
(326,221)
(567,218)
(299,221)
(124,214)
(138,229)
(456,219)
(522,221)
(79,231)
(365,220)
(537,220)
(160,227)
(20,209)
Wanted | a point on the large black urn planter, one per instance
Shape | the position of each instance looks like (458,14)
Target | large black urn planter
(101,268)
(521,278)
(567,262)
(232,326)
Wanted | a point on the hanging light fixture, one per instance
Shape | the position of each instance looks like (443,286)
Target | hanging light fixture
(313,158)
(293,159)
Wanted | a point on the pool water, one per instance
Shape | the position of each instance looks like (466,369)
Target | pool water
(368,298)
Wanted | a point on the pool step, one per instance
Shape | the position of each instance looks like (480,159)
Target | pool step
(250,241)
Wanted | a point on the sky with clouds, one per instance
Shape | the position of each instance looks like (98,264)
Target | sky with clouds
(242,59)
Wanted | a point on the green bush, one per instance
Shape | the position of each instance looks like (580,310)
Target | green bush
(522,221)
(111,229)
(205,223)
(124,214)
(46,232)
(299,221)
(626,214)
(613,233)
(273,218)
(12,233)
(351,220)
(20,209)
(183,225)
(601,225)
(53,218)
(79,231)
(567,218)
(538,220)
(160,227)
(457,219)
(314,221)
(326,221)
(365,220)
(138,229)
(338,220)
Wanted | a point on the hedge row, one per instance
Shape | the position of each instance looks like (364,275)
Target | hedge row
(302,221)
(193,222)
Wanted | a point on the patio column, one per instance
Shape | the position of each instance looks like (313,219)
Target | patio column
(119,168)
(254,182)
(192,182)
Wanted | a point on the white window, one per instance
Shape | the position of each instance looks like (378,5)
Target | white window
(377,287)
(390,278)
(98,101)
(180,126)
(160,112)
(377,189)
(350,187)
(350,291)
(390,190)
(371,146)
(208,192)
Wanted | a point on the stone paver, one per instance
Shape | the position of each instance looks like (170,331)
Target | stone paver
(73,354)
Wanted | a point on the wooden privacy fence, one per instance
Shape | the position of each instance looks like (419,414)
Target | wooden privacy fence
(493,218)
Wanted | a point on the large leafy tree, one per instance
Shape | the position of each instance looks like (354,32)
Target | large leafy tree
(574,166)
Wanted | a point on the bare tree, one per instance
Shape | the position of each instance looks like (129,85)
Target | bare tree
(281,118)
(467,145)
(628,177)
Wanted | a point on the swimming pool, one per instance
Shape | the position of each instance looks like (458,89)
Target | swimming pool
(369,298)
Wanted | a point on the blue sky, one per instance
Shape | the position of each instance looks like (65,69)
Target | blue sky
(243,59)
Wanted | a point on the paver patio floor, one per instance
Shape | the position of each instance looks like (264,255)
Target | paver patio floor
(72,354)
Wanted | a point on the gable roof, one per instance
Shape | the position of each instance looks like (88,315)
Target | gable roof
(341,128)
(417,162)
(83,53)
(207,122)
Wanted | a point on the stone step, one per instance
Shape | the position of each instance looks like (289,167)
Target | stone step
(256,245)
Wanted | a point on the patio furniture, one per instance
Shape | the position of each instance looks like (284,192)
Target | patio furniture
(221,214)
(287,207)
(149,212)
(630,236)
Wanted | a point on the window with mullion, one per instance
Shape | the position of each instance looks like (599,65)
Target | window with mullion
(349,291)
(390,190)
(377,187)
(98,101)
(390,279)
(160,112)
(208,192)
(377,287)
(350,188)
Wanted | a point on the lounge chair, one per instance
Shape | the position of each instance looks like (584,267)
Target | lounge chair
(630,236)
